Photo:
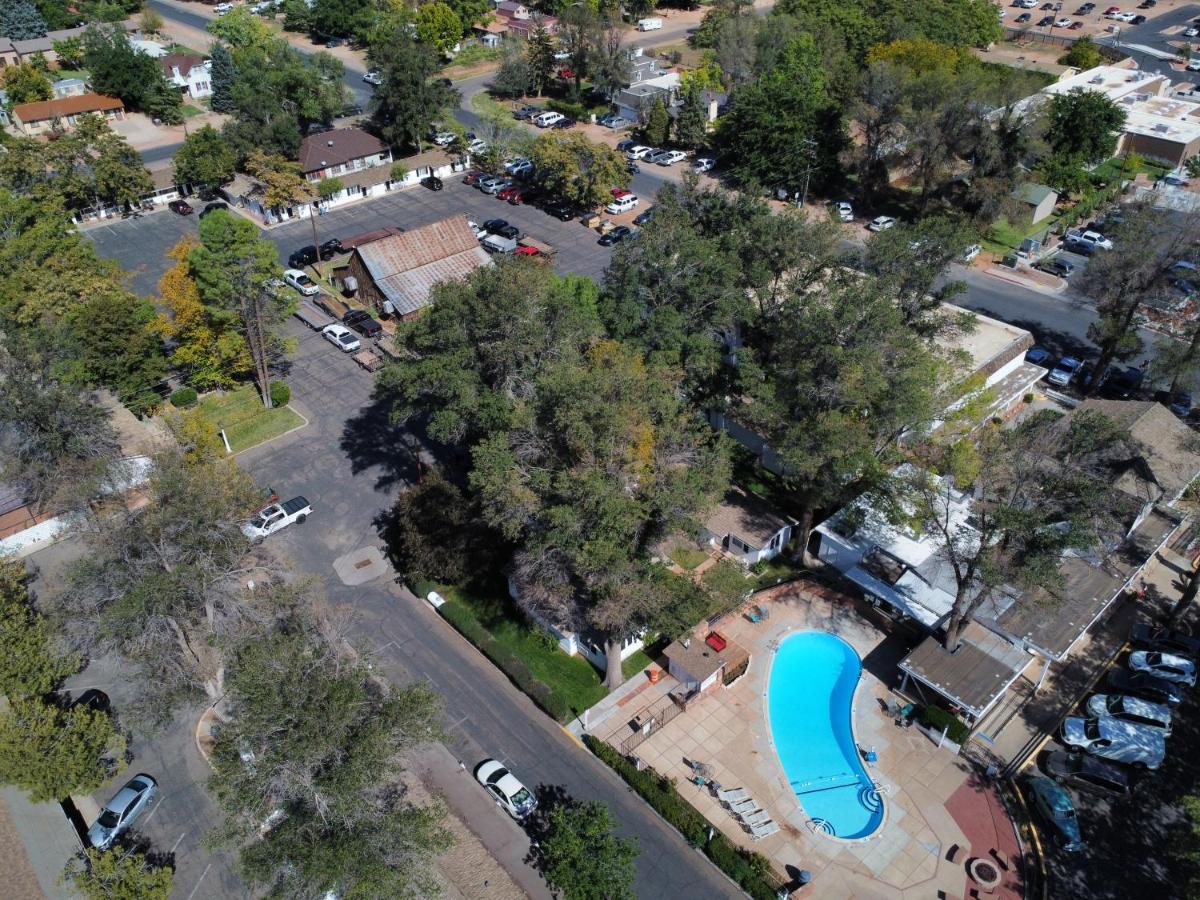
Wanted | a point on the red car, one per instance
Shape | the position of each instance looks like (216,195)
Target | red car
(180,206)
(515,195)
(1111,10)
(506,193)
(1075,26)
(618,193)
(525,251)
(566,73)
(472,177)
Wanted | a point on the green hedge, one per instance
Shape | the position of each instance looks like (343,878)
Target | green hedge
(281,394)
(936,718)
(184,397)
(468,626)
(751,871)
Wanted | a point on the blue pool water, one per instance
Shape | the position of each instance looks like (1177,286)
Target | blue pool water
(809,701)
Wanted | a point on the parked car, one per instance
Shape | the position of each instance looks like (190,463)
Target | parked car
(477,145)
(279,516)
(432,182)
(350,110)
(1024,17)
(1142,684)
(122,811)
(1062,23)
(881,223)
(1075,26)
(632,168)
(507,191)
(1192,32)
(622,204)
(1123,382)
(1062,373)
(843,210)
(305,256)
(362,322)
(639,151)
(301,282)
(495,226)
(546,119)
(180,206)
(518,195)
(1057,266)
(968,255)
(1150,638)
(1087,242)
(222,8)
(623,146)
(472,177)
(612,120)
(1039,356)
(494,186)
(1135,745)
(1167,666)
(341,337)
(1045,21)
(644,216)
(560,209)
(520,168)
(617,234)
(1131,709)
(526,112)
(564,123)
(444,138)
(1054,806)
(704,164)
(656,156)
(213,207)
(1136,20)
(373,77)
(510,795)
(1088,773)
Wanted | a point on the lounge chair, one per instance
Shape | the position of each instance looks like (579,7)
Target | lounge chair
(763,829)
(743,807)
(758,817)
(732,795)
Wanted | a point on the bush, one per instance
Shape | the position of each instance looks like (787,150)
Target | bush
(751,871)
(281,394)
(937,719)
(567,108)
(184,397)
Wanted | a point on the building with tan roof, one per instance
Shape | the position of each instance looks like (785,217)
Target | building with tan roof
(341,152)
(63,112)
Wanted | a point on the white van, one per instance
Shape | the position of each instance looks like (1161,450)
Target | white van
(546,119)
(649,24)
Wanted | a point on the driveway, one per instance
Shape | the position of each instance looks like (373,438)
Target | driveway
(351,462)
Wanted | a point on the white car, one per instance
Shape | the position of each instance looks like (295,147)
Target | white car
(843,210)
(704,164)
(442,138)
(1087,241)
(373,77)
(1027,4)
(637,151)
(1193,65)
(1063,23)
(970,253)
(278,516)
(546,119)
(480,233)
(1166,666)
(1130,709)
(622,204)
(341,337)
(881,223)
(1129,17)
(221,8)
(1114,739)
(479,145)
(671,157)
(562,54)
(510,795)
(301,282)
(1191,32)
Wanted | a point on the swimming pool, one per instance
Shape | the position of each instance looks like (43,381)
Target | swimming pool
(810,705)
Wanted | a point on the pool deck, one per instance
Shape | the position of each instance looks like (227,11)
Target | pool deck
(934,798)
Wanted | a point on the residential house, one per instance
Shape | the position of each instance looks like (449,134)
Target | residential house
(396,274)
(1015,635)
(5,121)
(14,53)
(341,152)
(518,19)
(1037,199)
(62,113)
(635,101)
(188,72)
(69,87)
(745,526)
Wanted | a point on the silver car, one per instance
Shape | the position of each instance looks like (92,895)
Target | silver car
(1135,745)
(1131,709)
(122,810)
(1166,666)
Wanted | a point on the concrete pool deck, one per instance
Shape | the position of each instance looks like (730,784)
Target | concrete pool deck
(728,730)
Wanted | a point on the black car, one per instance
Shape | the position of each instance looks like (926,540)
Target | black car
(509,232)
(432,182)
(305,256)
(1138,20)
(1023,18)
(1147,637)
(351,110)
(1045,20)
(1142,684)
(1122,383)
(624,145)
(565,123)
(1088,773)
(643,217)
(617,234)
(319,128)
(331,248)
(213,207)
(632,168)
(560,209)
(493,226)
(362,322)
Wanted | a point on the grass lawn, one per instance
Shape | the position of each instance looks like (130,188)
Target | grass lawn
(772,572)
(246,421)
(487,105)
(688,557)
(1004,236)
(474,55)
(190,111)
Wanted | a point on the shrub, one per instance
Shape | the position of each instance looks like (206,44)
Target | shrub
(281,394)
(751,871)
(937,719)
(1028,398)
(184,397)
(567,108)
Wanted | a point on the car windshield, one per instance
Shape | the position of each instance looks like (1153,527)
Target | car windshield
(108,818)
(1154,659)
(522,797)
(1113,704)
(258,521)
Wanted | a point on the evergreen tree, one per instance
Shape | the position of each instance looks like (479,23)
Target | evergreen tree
(691,126)
(539,52)
(20,20)
(223,76)
(658,125)
(409,99)
(514,76)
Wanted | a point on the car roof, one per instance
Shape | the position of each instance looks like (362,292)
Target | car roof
(1054,794)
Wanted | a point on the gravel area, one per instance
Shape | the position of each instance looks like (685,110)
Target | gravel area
(19,878)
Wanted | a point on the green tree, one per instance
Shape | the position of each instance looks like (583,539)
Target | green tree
(205,160)
(52,752)
(705,37)
(913,259)
(878,109)
(119,874)
(20,20)
(691,125)
(657,129)
(297,16)
(1084,54)
(576,169)
(224,74)
(539,53)
(25,83)
(342,18)
(409,99)
(514,78)
(117,69)
(438,26)
(240,29)
(582,858)
(69,52)
(29,667)
(471,12)
(328,187)
(1084,124)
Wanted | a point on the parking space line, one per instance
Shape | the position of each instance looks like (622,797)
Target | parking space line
(175,846)
(200,879)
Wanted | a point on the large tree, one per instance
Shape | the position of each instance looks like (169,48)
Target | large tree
(409,99)
(224,75)
(438,26)
(117,68)
(119,874)
(53,752)
(205,160)
(1085,125)
(20,20)
(581,856)
(342,18)
(539,53)
(582,172)
(25,83)
(29,665)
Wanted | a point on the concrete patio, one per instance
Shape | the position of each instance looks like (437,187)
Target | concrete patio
(728,730)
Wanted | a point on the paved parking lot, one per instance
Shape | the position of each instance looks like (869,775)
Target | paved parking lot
(140,244)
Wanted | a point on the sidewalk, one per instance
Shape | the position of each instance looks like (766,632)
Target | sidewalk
(36,841)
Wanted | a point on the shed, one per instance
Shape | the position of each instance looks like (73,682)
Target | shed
(1038,198)
(700,664)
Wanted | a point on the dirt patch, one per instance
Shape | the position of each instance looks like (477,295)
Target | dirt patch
(19,878)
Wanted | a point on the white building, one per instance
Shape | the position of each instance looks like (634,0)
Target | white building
(191,74)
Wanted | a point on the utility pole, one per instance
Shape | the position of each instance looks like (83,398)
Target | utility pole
(252,320)
(809,148)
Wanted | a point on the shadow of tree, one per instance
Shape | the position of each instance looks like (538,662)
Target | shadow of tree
(537,826)
(372,440)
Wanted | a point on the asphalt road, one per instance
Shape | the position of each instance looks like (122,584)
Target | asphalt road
(350,462)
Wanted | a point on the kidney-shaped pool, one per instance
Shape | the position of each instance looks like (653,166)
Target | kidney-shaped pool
(810,704)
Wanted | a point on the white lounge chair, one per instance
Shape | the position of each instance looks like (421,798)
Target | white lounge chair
(743,807)
(763,829)
(732,795)
(758,817)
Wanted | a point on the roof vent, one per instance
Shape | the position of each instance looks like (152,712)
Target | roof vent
(1097,79)
(329,143)
(1162,129)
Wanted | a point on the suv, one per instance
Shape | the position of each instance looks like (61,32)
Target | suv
(1087,773)
(362,322)
(560,209)
(1145,635)
(1060,267)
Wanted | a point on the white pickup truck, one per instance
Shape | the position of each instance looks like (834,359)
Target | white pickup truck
(276,517)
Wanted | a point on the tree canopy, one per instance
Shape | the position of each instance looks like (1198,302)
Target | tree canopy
(1084,125)
(409,98)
